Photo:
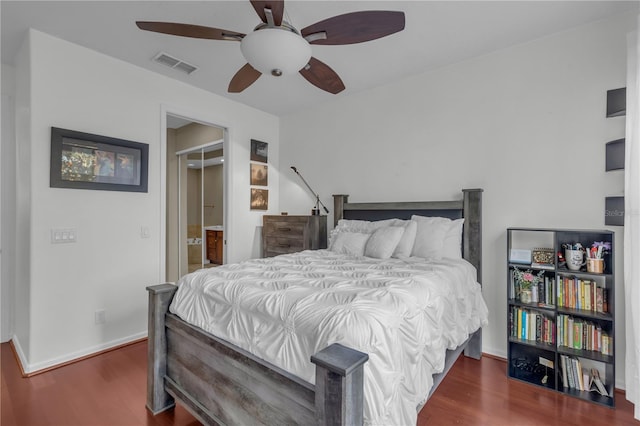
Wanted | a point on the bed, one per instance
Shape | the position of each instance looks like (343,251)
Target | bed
(221,382)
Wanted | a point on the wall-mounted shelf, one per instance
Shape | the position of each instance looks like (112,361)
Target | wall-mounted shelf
(614,211)
(617,102)
(614,155)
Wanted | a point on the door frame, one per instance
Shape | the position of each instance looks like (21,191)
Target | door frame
(207,121)
(219,143)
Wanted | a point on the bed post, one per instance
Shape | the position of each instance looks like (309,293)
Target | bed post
(160,297)
(339,385)
(472,234)
(339,200)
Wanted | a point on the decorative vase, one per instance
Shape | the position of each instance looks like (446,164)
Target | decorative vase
(525,296)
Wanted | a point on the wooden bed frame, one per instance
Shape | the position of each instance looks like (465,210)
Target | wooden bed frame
(220,383)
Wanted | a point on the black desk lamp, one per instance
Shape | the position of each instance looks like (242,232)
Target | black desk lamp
(316,210)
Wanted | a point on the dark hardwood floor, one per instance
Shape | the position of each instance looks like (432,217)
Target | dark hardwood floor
(109,390)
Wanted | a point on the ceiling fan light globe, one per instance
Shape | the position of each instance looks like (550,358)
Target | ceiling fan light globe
(270,49)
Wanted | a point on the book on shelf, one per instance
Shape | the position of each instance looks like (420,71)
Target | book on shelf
(583,335)
(529,325)
(596,384)
(599,299)
(576,376)
(542,266)
(582,294)
(543,293)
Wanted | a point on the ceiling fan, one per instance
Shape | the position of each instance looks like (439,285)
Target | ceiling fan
(275,47)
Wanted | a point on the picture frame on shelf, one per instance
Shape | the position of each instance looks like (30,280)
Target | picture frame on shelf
(543,258)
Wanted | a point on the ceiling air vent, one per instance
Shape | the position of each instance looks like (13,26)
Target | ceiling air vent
(171,62)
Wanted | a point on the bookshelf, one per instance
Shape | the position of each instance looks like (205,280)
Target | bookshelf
(561,328)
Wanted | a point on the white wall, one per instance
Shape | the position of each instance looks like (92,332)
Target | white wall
(527,124)
(22,307)
(111,264)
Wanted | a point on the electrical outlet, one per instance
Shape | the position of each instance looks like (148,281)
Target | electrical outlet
(100,316)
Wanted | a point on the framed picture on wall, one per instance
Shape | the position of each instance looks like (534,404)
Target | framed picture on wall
(259,199)
(259,174)
(259,151)
(87,161)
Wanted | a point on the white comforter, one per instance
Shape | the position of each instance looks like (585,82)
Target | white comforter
(403,313)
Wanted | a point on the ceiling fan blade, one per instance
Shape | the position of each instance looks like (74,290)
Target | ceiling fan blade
(355,27)
(244,78)
(188,30)
(277,9)
(322,76)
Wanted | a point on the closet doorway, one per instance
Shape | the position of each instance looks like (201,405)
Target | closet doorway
(195,197)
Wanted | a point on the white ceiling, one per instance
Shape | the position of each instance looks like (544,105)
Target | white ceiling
(437,33)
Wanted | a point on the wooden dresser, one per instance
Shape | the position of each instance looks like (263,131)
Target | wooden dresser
(289,234)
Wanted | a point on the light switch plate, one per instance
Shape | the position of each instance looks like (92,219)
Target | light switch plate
(62,236)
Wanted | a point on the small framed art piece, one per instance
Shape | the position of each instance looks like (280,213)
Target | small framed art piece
(259,174)
(259,199)
(259,151)
(87,161)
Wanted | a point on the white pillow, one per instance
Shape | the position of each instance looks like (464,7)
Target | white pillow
(361,226)
(352,243)
(383,242)
(452,239)
(367,227)
(405,246)
(452,246)
(429,236)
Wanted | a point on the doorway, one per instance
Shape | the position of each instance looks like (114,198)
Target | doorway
(195,197)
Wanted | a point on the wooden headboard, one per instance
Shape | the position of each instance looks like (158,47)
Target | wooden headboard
(469,208)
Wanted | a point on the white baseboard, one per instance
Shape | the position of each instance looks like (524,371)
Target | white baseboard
(29,368)
(19,353)
(495,352)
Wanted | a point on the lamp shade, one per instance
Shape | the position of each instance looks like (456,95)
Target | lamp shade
(276,51)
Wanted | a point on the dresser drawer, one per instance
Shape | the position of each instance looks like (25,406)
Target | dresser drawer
(289,234)
(282,245)
(284,228)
